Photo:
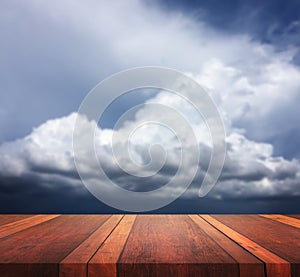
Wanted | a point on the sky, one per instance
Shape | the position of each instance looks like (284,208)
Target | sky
(246,54)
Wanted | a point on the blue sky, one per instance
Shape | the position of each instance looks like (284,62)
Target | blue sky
(245,53)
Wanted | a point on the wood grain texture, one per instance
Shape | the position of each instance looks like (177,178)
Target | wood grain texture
(8,218)
(75,264)
(275,265)
(281,239)
(172,245)
(149,245)
(283,219)
(104,262)
(249,266)
(37,251)
(294,215)
(14,227)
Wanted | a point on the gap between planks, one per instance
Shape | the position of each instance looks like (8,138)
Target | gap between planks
(249,265)
(76,263)
(19,225)
(275,265)
(283,219)
(104,261)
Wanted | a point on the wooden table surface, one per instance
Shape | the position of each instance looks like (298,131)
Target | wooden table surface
(149,245)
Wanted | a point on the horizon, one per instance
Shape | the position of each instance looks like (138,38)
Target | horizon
(245,55)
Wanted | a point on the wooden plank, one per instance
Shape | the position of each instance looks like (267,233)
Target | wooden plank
(294,215)
(283,219)
(249,266)
(14,227)
(104,262)
(8,218)
(37,251)
(75,264)
(149,245)
(275,265)
(172,245)
(281,239)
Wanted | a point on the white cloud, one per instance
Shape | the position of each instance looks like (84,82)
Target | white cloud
(255,86)
(250,169)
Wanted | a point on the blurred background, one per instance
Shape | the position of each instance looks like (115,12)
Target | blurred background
(246,54)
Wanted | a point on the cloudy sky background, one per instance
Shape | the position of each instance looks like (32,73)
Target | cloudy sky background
(245,53)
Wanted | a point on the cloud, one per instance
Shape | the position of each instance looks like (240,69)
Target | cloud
(58,51)
(46,157)
(251,171)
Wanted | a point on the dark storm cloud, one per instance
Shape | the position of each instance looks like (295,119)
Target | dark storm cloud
(243,52)
(45,160)
(266,20)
